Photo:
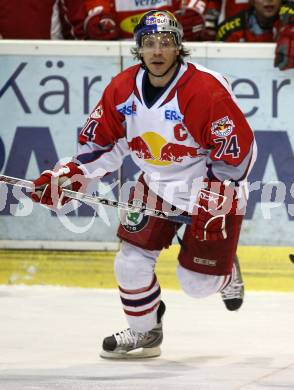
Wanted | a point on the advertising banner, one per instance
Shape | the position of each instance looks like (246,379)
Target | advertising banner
(44,101)
(47,93)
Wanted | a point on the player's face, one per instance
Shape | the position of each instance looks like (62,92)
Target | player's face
(159,52)
(267,9)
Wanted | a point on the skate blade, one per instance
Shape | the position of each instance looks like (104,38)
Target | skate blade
(140,353)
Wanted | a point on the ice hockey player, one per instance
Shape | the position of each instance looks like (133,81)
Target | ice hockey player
(181,125)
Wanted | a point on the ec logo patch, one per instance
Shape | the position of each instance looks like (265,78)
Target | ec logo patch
(134,220)
(222,127)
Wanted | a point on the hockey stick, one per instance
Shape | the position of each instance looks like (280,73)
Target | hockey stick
(107,202)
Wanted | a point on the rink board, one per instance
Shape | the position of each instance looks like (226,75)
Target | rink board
(263,268)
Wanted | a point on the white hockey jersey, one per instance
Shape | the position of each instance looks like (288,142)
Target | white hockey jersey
(193,130)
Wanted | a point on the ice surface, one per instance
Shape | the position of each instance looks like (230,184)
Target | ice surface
(50,338)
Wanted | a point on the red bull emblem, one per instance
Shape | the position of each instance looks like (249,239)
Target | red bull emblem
(222,127)
(140,148)
(156,151)
(156,18)
(159,15)
(176,152)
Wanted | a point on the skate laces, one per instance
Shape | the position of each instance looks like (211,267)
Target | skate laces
(129,337)
(234,289)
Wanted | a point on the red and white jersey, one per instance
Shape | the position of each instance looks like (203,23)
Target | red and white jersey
(193,130)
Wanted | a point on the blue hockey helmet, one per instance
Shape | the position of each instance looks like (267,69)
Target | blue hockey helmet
(156,21)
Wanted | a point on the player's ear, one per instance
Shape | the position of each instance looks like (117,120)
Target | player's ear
(179,49)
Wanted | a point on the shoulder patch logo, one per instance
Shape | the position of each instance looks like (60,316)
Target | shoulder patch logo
(222,127)
(98,113)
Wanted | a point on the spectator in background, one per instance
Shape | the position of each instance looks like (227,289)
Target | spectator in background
(42,19)
(257,24)
(284,53)
(218,10)
(264,21)
(116,19)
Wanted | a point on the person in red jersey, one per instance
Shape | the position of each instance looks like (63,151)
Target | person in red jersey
(284,53)
(42,19)
(116,19)
(181,126)
(265,21)
(218,10)
(258,24)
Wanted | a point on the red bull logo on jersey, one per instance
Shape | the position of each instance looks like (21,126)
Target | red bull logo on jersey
(140,148)
(176,152)
(154,149)
(222,127)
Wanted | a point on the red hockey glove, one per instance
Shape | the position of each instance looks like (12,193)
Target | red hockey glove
(284,53)
(213,204)
(100,26)
(192,22)
(48,187)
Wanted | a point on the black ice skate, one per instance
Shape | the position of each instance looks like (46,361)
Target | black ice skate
(233,294)
(129,344)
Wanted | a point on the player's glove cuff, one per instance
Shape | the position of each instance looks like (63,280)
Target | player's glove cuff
(212,206)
